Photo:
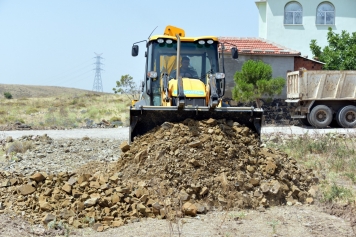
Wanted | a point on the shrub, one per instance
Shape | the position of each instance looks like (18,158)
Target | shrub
(115,119)
(7,95)
(336,193)
(74,101)
(93,113)
(31,111)
(63,112)
(51,121)
(255,80)
(19,147)
(68,122)
(20,120)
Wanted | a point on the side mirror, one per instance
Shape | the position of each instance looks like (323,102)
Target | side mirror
(234,53)
(134,51)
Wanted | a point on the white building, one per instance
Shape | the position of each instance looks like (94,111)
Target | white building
(294,24)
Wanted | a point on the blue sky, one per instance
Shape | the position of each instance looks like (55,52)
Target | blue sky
(52,42)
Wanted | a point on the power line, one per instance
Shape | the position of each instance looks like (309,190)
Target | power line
(75,78)
(59,79)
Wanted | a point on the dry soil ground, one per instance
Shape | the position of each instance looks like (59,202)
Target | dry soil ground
(296,220)
(293,221)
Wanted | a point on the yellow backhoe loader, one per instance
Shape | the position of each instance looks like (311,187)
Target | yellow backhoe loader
(170,95)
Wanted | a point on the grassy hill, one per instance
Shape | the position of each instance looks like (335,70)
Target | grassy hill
(50,106)
(30,91)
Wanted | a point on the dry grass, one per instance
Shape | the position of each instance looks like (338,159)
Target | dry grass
(60,107)
(24,92)
(331,156)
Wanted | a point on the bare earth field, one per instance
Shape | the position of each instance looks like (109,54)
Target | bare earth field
(292,221)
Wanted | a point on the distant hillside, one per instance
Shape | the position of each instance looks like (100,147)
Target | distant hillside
(28,91)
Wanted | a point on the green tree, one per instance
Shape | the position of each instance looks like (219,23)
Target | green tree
(8,95)
(126,86)
(255,80)
(339,54)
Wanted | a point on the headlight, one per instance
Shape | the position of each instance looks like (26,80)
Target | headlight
(210,41)
(160,41)
(169,41)
(201,41)
(152,74)
(219,75)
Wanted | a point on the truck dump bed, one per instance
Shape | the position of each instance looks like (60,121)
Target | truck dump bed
(321,85)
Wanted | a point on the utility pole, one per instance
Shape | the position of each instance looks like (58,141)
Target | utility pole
(98,85)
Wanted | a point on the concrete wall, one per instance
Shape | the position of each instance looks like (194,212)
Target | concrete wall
(298,37)
(262,21)
(280,66)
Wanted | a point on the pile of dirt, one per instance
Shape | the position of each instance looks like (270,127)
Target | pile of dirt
(177,169)
(215,163)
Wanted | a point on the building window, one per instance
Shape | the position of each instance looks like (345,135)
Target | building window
(325,14)
(293,14)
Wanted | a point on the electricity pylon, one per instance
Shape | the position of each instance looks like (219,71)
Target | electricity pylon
(98,85)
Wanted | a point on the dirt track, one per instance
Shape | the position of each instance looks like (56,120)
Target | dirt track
(306,221)
(123,132)
(109,133)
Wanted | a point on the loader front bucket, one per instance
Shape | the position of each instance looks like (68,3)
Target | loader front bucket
(146,118)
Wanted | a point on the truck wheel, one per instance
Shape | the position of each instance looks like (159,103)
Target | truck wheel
(309,121)
(347,116)
(337,117)
(321,116)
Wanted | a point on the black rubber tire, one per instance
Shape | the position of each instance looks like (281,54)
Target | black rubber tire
(347,116)
(337,117)
(309,121)
(321,116)
(304,121)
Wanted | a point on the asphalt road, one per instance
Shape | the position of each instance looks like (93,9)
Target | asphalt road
(123,133)
(111,133)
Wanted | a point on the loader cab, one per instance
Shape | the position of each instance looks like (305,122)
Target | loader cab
(162,56)
(162,60)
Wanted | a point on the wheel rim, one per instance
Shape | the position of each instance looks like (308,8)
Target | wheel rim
(321,116)
(350,116)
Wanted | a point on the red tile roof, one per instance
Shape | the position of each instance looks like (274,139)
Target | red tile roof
(256,46)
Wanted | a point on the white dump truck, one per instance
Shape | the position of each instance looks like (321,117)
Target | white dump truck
(324,98)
